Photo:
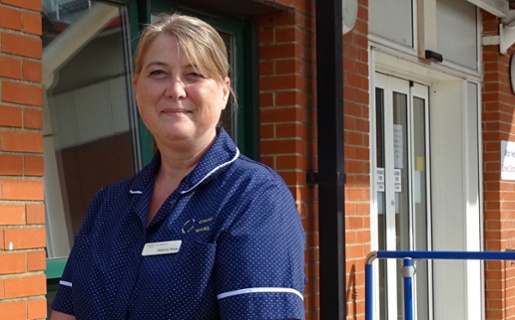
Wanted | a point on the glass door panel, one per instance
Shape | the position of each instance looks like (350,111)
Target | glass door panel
(401,188)
(400,181)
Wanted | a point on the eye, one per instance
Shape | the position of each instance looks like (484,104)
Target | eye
(195,75)
(156,73)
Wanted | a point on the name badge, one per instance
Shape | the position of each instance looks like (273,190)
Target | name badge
(165,247)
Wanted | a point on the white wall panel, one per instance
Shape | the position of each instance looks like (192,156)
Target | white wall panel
(448,199)
(455,188)
(471,185)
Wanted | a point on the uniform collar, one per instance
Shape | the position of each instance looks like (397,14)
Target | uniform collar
(221,154)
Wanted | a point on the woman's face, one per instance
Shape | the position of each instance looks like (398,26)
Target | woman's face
(177,103)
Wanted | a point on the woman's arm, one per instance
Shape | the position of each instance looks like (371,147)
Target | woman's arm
(56,315)
(267,240)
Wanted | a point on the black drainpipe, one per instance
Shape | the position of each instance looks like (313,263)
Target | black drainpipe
(331,176)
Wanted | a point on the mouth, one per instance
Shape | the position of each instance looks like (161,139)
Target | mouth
(175,111)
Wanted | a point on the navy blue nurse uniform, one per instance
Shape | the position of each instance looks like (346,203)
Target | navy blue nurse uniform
(241,253)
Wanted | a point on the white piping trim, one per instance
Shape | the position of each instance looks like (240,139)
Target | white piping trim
(135,192)
(65,283)
(259,290)
(212,171)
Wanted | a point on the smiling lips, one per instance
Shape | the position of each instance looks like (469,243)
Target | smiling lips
(175,111)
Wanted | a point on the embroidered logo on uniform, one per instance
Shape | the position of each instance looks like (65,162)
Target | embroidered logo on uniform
(188,226)
(205,220)
(202,229)
(197,226)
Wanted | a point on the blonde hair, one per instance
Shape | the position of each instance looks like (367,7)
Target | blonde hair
(200,42)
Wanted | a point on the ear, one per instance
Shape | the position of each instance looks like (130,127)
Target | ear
(135,80)
(226,87)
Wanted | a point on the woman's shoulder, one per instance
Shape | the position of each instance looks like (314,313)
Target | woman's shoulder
(254,168)
(246,172)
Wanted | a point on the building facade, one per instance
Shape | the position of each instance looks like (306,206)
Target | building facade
(428,136)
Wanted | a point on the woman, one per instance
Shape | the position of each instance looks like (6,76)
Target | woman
(202,232)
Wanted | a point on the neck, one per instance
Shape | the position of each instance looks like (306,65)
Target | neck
(179,159)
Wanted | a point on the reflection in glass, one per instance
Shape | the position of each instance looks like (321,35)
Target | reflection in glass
(89,114)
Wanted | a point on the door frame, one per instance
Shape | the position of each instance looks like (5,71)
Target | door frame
(455,118)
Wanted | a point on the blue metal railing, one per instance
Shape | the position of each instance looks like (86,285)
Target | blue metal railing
(408,270)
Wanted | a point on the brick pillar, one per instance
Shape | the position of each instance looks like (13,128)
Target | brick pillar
(287,117)
(22,212)
(499,196)
(357,160)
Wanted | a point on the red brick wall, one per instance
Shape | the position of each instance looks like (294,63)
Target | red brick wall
(499,197)
(357,160)
(287,103)
(287,117)
(22,213)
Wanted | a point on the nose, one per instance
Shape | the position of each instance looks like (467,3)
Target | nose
(175,90)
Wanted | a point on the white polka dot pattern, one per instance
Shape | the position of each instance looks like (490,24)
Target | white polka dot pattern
(242,252)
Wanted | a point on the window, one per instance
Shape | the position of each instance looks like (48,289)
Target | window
(448,27)
(392,20)
(457,20)
(89,115)
(90,124)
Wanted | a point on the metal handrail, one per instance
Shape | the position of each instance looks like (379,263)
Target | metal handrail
(408,270)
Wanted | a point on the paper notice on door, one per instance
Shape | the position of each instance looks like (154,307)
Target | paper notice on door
(397,180)
(380,179)
(398,146)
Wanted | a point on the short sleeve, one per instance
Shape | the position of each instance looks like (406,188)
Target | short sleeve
(63,301)
(260,258)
